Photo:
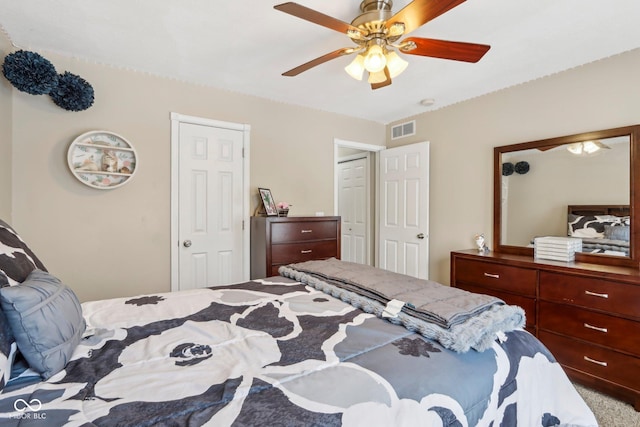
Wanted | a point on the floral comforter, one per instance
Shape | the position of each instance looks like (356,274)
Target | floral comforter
(275,352)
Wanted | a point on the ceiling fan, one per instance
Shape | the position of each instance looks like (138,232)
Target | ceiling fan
(377,32)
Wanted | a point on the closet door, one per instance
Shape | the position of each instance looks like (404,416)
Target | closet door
(352,207)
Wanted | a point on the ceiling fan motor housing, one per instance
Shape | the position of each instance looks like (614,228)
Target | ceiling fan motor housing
(374,14)
(368,5)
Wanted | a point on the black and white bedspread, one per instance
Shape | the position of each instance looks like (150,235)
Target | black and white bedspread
(275,352)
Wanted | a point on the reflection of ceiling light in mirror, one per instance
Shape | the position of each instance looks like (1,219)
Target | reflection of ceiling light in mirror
(586,148)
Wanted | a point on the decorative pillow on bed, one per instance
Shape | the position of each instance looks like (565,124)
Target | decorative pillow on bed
(591,226)
(617,232)
(46,320)
(16,259)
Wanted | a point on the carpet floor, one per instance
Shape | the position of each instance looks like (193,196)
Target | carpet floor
(609,412)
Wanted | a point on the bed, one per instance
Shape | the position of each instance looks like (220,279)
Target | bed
(315,346)
(604,229)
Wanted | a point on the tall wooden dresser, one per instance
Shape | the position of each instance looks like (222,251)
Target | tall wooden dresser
(277,241)
(588,315)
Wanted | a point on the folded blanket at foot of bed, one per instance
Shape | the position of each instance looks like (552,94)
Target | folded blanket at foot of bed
(458,319)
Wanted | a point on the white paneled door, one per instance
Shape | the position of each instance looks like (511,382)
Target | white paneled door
(404,210)
(352,208)
(210,206)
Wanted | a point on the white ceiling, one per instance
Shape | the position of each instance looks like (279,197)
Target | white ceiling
(245,45)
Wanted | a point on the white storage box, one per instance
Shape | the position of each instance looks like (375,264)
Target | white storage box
(557,248)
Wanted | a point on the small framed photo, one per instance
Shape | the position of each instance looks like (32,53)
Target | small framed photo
(267,201)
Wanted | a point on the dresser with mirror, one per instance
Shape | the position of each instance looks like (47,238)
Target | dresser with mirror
(586,311)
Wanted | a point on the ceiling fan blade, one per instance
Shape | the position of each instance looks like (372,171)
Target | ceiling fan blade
(316,17)
(419,12)
(387,82)
(457,51)
(320,60)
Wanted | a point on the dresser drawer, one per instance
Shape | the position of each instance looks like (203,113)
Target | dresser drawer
(599,294)
(298,252)
(595,360)
(496,276)
(609,331)
(527,304)
(283,232)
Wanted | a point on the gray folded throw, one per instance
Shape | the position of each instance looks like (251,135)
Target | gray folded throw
(458,319)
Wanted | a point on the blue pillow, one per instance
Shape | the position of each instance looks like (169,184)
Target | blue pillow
(45,317)
(617,232)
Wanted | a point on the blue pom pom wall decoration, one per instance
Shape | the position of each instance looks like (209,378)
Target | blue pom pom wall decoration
(73,93)
(507,169)
(521,167)
(30,72)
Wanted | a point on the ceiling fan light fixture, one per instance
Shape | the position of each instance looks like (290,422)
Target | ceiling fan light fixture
(356,68)
(395,64)
(375,60)
(377,77)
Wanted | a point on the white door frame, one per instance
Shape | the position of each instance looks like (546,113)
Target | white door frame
(337,143)
(176,119)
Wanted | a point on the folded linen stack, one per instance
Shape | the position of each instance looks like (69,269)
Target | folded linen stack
(557,248)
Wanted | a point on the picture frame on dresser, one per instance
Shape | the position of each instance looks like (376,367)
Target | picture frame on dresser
(268,203)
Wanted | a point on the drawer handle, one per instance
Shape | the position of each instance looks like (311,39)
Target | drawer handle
(594,294)
(595,328)
(306,252)
(306,231)
(597,362)
(493,276)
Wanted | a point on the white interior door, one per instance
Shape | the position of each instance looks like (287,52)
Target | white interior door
(210,207)
(353,209)
(404,210)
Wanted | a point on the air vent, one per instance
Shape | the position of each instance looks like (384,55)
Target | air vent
(403,129)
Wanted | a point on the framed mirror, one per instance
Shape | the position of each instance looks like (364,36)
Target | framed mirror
(579,185)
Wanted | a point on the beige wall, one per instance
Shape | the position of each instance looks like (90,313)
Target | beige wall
(600,95)
(5,137)
(112,243)
(116,242)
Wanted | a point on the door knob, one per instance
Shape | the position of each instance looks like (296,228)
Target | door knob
(420,236)
(186,243)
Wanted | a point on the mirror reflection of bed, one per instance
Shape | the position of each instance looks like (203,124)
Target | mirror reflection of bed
(604,229)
